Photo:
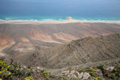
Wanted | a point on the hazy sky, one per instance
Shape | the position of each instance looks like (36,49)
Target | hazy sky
(60,6)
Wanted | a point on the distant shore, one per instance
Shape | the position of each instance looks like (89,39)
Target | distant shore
(54,21)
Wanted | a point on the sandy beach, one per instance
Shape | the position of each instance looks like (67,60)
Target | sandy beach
(54,21)
(56,31)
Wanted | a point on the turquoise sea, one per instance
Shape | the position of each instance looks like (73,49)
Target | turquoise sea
(45,10)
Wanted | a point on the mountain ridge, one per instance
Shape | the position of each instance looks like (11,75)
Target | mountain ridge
(77,52)
(57,46)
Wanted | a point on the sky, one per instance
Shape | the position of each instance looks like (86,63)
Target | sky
(54,7)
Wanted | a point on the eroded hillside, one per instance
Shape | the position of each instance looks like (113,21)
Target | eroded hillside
(50,46)
(77,52)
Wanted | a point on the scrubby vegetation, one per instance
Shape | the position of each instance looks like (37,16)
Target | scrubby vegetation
(14,71)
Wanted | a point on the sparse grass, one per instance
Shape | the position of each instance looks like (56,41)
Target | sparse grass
(75,79)
(98,78)
(52,76)
(63,78)
(28,78)
(15,72)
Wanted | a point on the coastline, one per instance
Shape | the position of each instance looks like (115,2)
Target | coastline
(54,21)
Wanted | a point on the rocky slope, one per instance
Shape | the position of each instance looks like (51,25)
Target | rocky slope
(13,71)
(50,46)
(77,52)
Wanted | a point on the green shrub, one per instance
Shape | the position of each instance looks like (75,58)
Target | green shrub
(52,76)
(11,71)
(63,78)
(116,72)
(75,79)
(28,73)
(101,66)
(112,76)
(28,78)
(46,74)
(93,74)
(98,78)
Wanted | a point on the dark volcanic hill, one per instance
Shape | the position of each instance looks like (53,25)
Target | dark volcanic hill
(50,46)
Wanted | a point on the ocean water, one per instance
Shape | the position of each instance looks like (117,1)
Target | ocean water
(45,10)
